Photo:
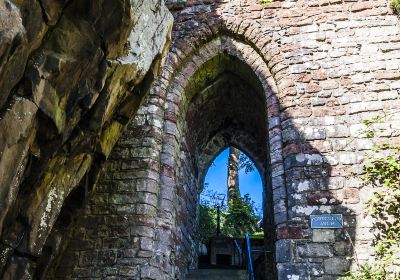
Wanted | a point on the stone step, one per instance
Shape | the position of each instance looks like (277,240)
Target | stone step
(217,274)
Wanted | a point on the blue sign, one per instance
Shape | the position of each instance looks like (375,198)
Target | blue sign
(327,221)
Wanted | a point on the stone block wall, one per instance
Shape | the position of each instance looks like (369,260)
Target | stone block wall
(118,234)
(323,67)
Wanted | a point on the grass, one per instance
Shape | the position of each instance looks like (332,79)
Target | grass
(256,235)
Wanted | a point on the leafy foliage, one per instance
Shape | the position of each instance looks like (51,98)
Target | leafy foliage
(246,163)
(208,213)
(384,175)
(382,172)
(366,272)
(207,222)
(395,5)
(240,217)
(236,219)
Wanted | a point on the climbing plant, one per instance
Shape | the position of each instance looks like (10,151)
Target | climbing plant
(382,172)
(395,5)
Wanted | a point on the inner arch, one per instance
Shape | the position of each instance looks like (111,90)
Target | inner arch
(226,100)
(247,182)
(224,105)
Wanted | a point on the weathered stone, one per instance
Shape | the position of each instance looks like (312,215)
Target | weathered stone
(341,248)
(336,266)
(299,271)
(315,250)
(42,211)
(351,195)
(283,250)
(323,198)
(18,131)
(290,232)
(323,235)
(20,268)
(14,49)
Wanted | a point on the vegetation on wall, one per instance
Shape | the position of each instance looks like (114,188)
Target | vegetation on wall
(382,172)
(264,2)
(395,5)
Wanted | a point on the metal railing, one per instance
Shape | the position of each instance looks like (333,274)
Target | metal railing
(245,254)
(249,259)
(239,252)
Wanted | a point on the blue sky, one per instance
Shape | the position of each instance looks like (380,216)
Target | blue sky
(248,183)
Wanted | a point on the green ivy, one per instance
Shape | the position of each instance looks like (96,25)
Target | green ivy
(383,174)
(366,272)
(264,2)
(395,5)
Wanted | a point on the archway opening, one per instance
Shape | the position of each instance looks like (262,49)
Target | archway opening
(231,206)
(231,175)
(224,106)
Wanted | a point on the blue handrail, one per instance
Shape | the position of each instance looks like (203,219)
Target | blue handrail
(250,262)
(239,251)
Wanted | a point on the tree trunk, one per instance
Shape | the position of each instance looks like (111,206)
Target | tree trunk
(233,174)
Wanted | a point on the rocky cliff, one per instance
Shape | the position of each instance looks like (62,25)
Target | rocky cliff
(72,74)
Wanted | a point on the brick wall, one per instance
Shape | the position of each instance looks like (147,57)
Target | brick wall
(323,67)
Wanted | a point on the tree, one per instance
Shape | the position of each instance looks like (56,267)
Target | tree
(233,174)
(246,163)
(207,222)
(237,161)
(241,217)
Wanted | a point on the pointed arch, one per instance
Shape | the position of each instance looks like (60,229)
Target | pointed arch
(223,65)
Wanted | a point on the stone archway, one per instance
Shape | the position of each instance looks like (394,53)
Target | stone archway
(223,100)
(134,223)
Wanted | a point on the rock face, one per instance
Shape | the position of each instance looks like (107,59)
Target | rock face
(72,74)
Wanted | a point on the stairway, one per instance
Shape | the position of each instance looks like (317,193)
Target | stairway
(217,274)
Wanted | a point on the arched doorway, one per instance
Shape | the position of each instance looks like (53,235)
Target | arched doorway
(230,206)
(222,103)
